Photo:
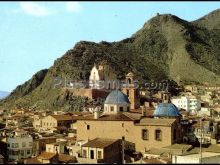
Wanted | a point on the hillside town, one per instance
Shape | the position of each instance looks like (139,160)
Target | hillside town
(132,125)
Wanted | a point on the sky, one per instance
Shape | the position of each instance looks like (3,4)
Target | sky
(34,34)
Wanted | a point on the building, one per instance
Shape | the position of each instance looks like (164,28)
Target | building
(104,73)
(54,121)
(51,158)
(189,103)
(15,120)
(115,102)
(131,90)
(20,145)
(101,150)
(57,147)
(39,145)
(207,158)
(142,131)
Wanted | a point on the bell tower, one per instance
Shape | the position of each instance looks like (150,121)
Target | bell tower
(130,90)
(166,96)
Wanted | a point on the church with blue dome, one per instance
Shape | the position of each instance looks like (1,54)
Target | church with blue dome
(166,108)
(116,102)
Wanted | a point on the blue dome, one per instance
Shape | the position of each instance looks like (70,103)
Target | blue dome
(166,109)
(117,97)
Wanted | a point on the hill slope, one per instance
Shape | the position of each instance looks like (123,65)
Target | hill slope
(166,47)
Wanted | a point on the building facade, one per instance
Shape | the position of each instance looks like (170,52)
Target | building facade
(191,104)
(20,145)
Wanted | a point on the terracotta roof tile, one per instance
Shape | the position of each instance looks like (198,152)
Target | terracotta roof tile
(62,117)
(153,121)
(46,155)
(66,158)
(100,142)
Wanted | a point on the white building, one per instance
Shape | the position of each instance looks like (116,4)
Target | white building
(189,103)
(207,157)
(57,147)
(19,145)
(94,78)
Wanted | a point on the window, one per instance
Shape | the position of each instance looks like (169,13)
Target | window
(23,144)
(28,152)
(99,154)
(158,135)
(122,124)
(88,127)
(13,145)
(22,152)
(16,145)
(84,153)
(8,144)
(111,108)
(144,134)
(30,144)
(121,109)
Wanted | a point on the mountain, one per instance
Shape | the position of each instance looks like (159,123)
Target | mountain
(3,94)
(166,47)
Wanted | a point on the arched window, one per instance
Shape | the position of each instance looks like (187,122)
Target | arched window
(158,135)
(129,81)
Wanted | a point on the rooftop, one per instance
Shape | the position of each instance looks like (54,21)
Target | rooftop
(100,142)
(153,121)
(166,109)
(64,158)
(62,117)
(204,155)
(122,116)
(46,155)
(117,97)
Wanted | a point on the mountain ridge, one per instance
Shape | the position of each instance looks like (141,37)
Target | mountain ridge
(166,47)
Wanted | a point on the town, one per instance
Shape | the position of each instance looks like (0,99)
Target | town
(130,125)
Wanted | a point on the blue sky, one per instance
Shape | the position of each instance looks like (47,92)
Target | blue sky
(34,34)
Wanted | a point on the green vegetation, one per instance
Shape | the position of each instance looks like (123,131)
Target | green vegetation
(167,47)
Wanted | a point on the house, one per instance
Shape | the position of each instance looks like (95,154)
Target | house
(57,147)
(39,145)
(51,158)
(20,145)
(189,103)
(55,121)
(207,158)
(15,120)
(101,150)
(48,158)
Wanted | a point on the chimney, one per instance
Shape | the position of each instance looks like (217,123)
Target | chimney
(96,113)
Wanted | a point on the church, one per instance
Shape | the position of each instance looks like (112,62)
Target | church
(101,74)
(140,132)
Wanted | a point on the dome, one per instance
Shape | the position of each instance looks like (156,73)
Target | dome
(166,109)
(117,97)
